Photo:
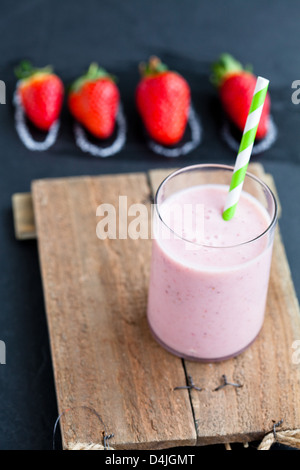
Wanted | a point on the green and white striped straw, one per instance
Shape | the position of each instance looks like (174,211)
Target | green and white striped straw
(245,148)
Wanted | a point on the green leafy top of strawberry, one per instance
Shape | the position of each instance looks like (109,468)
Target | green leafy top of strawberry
(93,73)
(26,70)
(225,66)
(152,68)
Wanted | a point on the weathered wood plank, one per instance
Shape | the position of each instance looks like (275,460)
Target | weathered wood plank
(95,293)
(23,214)
(104,357)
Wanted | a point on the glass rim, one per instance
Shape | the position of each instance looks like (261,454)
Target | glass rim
(220,167)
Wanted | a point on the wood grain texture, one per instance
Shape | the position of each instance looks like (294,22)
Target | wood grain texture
(95,293)
(24,223)
(105,359)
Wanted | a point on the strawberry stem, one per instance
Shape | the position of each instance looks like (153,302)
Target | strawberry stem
(225,65)
(93,73)
(153,67)
(25,70)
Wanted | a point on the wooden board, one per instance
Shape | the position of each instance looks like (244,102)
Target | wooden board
(24,222)
(110,375)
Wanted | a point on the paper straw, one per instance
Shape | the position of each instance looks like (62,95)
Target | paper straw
(245,148)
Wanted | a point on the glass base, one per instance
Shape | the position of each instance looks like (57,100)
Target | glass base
(198,359)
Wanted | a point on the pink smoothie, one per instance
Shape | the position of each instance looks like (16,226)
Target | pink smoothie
(207,295)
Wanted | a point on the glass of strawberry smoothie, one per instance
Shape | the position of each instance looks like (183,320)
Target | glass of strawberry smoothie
(209,277)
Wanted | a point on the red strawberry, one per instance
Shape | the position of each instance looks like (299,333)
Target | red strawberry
(94,101)
(236,86)
(41,93)
(163,101)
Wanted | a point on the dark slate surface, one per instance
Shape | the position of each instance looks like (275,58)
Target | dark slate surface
(188,36)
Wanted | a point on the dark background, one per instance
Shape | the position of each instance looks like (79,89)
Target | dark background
(188,35)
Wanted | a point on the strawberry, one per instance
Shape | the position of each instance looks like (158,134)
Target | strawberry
(94,101)
(163,101)
(41,94)
(235,87)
